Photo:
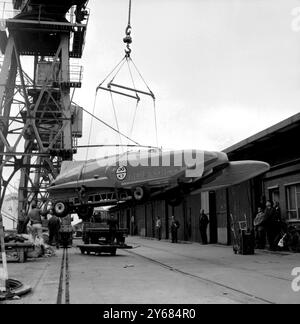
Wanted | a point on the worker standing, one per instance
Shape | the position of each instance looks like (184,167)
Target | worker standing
(158,228)
(35,221)
(23,221)
(203,223)
(54,227)
(113,227)
(271,225)
(174,229)
(259,227)
(132,226)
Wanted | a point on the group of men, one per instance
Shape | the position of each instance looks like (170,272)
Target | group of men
(173,228)
(268,224)
(203,223)
(32,222)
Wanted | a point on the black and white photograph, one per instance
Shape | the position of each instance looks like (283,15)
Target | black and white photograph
(149,155)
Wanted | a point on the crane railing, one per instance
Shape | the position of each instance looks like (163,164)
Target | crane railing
(39,13)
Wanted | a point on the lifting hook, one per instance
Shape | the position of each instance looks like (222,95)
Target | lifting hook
(128,40)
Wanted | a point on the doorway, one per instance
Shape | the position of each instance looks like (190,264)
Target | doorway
(213,223)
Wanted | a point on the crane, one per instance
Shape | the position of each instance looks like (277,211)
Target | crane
(39,124)
(36,109)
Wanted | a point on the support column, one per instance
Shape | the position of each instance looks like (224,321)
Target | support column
(5,70)
(7,85)
(24,179)
(65,93)
(37,179)
(3,270)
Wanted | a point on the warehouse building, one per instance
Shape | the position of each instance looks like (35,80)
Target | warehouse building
(276,145)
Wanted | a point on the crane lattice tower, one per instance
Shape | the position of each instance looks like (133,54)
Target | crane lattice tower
(39,124)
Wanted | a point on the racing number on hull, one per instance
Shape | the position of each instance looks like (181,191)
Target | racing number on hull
(121,173)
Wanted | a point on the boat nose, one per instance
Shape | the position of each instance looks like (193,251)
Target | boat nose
(213,159)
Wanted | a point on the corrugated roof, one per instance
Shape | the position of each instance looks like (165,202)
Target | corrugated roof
(288,123)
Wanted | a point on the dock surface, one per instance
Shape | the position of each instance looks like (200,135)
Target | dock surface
(159,272)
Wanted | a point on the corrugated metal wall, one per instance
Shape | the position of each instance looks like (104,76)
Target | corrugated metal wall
(236,201)
(240,201)
(187,213)
(140,220)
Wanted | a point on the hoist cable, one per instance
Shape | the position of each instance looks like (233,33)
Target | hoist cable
(131,76)
(114,73)
(134,118)
(109,126)
(116,70)
(153,96)
(117,145)
(129,14)
(137,104)
(120,68)
(116,117)
(113,70)
(128,39)
(91,126)
(140,74)
(155,118)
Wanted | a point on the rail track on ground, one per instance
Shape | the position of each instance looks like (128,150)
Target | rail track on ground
(200,278)
(63,295)
(214,262)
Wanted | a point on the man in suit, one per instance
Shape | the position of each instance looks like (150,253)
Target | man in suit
(174,229)
(203,223)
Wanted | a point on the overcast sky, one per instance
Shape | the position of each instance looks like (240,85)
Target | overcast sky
(221,70)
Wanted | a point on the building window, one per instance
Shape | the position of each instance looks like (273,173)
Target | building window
(293,201)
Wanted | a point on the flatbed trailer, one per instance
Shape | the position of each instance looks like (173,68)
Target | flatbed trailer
(96,237)
(98,249)
(94,233)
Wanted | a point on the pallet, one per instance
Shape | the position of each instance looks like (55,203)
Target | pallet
(20,249)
